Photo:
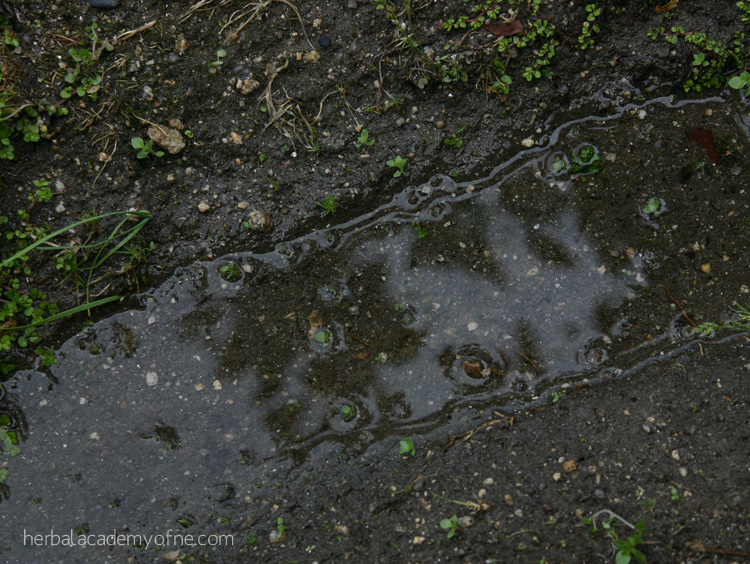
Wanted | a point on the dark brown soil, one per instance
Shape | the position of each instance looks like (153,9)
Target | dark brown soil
(668,445)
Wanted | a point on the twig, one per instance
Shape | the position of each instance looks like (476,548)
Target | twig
(131,33)
(678,304)
(466,435)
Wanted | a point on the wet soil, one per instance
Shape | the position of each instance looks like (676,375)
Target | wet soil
(664,440)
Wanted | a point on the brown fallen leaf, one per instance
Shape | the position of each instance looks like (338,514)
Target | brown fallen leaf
(705,139)
(666,7)
(505,29)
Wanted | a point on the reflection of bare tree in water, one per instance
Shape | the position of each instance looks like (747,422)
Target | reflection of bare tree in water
(12,420)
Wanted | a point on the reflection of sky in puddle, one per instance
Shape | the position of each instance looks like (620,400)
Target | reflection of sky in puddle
(213,378)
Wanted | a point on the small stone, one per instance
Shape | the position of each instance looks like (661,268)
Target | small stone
(172,555)
(247,85)
(341,530)
(181,44)
(203,207)
(675,455)
(472,326)
(243,205)
(277,537)
(351,4)
(236,139)
(418,540)
(557,476)
(217,385)
(94,436)
(465,522)
(60,208)
(259,220)
(570,466)
(312,57)
(528,142)
(683,471)
(152,378)
(59,187)
(706,268)
(167,138)
(509,499)
(324,41)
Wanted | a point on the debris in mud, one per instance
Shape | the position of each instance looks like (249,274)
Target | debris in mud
(247,85)
(167,138)
(705,138)
(259,220)
(505,29)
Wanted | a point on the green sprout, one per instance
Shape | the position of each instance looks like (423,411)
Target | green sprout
(220,54)
(328,204)
(347,413)
(324,336)
(398,163)
(231,272)
(741,81)
(450,525)
(626,549)
(653,207)
(144,148)
(406,446)
(364,140)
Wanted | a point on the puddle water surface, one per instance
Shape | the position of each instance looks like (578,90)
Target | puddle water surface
(452,300)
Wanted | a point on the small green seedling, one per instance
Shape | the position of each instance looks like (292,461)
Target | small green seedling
(407,446)
(674,494)
(560,165)
(347,413)
(220,54)
(364,140)
(145,148)
(626,549)
(585,160)
(741,81)
(708,328)
(454,140)
(280,528)
(398,163)
(421,231)
(324,336)
(450,525)
(328,204)
(653,207)
(231,272)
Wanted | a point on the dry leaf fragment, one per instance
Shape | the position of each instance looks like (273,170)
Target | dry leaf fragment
(705,139)
(505,29)
(666,7)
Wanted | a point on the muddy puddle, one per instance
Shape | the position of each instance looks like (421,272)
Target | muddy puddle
(583,258)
